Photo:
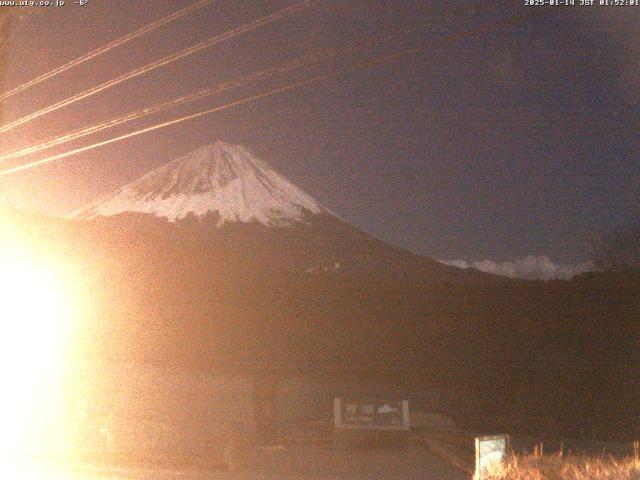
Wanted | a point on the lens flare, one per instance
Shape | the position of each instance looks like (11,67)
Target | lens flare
(35,318)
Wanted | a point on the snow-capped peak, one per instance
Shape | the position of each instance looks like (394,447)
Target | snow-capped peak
(217,178)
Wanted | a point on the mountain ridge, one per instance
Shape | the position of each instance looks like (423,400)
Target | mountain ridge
(222,185)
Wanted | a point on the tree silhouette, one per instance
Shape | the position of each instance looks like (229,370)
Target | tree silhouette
(617,250)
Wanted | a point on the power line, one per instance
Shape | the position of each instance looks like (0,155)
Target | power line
(277,91)
(162,62)
(222,87)
(309,59)
(107,47)
(312,58)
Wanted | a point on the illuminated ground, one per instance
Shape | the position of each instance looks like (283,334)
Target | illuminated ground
(291,463)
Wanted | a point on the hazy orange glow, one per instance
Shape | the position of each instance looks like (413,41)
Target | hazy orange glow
(37,314)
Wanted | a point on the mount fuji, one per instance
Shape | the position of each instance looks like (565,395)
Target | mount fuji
(255,219)
(221,179)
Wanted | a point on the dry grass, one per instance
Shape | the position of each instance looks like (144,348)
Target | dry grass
(567,468)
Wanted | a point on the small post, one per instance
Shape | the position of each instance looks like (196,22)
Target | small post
(406,422)
(337,413)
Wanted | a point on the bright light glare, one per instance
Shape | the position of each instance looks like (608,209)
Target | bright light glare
(35,318)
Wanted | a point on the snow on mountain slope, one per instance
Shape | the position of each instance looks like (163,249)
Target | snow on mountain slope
(217,178)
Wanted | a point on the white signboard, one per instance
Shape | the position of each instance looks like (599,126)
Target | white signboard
(371,415)
(491,452)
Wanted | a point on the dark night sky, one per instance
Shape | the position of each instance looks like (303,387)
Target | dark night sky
(519,141)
